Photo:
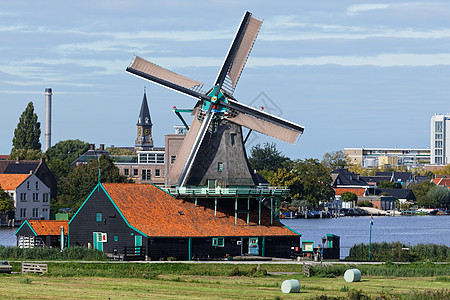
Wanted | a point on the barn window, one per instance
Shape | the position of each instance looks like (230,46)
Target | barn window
(116,238)
(99,217)
(220,166)
(218,242)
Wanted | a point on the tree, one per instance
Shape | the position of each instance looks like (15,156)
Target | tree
(6,204)
(307,180)
(119,151)
(61,155)
(349,197)
(389,185)
(80,182)
(421,190)
(28,130)
(439,196)
(267,158)
(444,171)
(26,154)
(335,160)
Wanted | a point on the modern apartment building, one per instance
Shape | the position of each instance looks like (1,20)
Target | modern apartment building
(440,139)
(377,157)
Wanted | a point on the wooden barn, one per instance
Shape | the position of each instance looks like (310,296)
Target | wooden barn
(145,221)
(41,233)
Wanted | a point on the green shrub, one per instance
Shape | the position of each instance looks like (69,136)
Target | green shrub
(364,204)
(399,252)
(26,280)
(47,253)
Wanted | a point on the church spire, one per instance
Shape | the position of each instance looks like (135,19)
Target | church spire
(144,115)
(144,140)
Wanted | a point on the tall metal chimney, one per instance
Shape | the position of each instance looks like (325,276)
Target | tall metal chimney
(48,118)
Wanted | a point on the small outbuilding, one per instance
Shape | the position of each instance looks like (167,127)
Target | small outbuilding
(42,233)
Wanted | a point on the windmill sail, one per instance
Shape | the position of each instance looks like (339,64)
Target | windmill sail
(238,53)
(152,72)
(263,122)
(213,149)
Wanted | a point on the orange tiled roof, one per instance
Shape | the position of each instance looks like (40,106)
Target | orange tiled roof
(9,182)
(358,191)
(49,227)
(156,213)
(442,181)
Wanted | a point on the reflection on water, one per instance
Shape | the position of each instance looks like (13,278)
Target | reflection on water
(410,230)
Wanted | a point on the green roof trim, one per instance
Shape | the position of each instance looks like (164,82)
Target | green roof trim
(112,201)
(83,204)
(292,229)
(29,225)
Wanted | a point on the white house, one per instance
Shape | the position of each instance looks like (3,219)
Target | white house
(30,195)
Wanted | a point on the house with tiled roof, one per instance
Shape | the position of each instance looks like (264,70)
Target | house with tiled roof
(344,180)
(360,192)
(30,195)
(402,195)
(404,178)
(37,167)
(147,219)
(443,181)
(42,233)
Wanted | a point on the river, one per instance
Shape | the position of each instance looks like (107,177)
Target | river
(410,230)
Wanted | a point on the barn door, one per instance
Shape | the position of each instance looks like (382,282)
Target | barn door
(98,241)
(138,243)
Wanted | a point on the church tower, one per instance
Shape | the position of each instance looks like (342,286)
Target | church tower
(144,140)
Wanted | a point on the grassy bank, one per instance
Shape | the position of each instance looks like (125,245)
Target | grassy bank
(213,281)
(152,270)
(170,286)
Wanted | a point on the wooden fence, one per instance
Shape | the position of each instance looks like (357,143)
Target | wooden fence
(34,268)
(306,270)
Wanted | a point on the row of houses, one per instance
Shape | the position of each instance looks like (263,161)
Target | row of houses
(367,187)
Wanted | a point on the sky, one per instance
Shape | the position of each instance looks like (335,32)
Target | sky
(353,73)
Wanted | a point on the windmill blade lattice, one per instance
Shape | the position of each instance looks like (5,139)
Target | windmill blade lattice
(238,53)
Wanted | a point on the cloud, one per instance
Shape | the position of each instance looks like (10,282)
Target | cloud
(359,8)
(381,60)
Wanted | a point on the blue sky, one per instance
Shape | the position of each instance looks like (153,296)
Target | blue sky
(353,73)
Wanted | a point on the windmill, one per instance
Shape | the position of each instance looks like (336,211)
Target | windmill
(213,151)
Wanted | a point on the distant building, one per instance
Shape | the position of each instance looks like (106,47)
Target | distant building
(378,157)
(37,167)
(440,139)
(148,164)
(30,195)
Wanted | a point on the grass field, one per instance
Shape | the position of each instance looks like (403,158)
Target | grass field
(182,281)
